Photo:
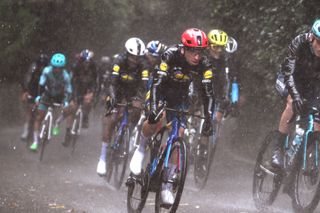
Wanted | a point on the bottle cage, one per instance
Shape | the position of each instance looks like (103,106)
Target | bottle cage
(232,45)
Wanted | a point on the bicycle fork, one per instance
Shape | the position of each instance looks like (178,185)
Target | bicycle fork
(76,130)
(48,116)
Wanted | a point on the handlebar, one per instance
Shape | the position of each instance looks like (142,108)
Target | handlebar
(165,108)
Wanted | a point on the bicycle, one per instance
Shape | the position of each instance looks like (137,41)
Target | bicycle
(301,167)
(117,156)
(46,128)
(157,168)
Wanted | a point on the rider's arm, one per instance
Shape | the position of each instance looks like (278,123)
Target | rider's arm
(114,81)
(207,82)
(28,77)
(68,86)
(160,76)
(43,79)
(289,64)
(94,77)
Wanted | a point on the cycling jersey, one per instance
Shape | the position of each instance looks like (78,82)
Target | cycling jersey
(301,67)
(128,79)
(172,79)
(84,77)
(54,85)
(31,79)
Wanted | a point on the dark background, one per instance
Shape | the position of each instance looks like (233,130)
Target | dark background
(263,30)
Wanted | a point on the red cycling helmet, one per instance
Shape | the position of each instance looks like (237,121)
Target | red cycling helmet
(194,38)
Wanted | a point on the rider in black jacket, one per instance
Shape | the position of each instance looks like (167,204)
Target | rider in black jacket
(180,65)
(301,70)
(30,86)
(128,83)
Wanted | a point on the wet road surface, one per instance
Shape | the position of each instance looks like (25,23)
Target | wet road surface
(68,183)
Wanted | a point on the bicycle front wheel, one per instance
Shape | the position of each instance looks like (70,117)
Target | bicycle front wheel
(43,138)
(120,158)
(266,181)
(307,181)
(203,157)
(75,131)
(173,177)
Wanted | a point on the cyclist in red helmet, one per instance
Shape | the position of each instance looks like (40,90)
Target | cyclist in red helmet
(180,65)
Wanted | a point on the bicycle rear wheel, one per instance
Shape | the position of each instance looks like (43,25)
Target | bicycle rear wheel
(203,157)
(120,158)
(43,138)
(178,153)
(307,181)
(75,131)
(266,181)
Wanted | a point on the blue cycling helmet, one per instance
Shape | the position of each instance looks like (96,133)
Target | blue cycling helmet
(58,60)
(155,48)
(86,55)
(316,29)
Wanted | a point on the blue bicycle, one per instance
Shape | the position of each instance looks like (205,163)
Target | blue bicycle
(159,168)
(118,153)
(300,175)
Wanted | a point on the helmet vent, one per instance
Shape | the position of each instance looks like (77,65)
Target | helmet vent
(199,40)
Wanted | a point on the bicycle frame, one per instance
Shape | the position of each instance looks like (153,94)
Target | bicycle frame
(49,115)
(124,123)
(164,156)
(73,129)
(139,124)
(309,130)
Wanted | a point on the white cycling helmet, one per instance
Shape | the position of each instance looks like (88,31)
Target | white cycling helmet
(232,45)
(135,46)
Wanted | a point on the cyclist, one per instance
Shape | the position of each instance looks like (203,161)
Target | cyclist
(153,53)
(301,70)
(128,82)
(84,79)
(218,57)
(104,73)
(30,91)
(54,87)
(179,65)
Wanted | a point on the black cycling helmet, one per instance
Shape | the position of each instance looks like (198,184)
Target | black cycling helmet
(43,59)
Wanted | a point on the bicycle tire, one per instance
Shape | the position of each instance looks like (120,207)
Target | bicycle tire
(262,170)
(75,131)
(202,161)
(138,191)
(307,181)
(178,182)
(120,158)
(44,138)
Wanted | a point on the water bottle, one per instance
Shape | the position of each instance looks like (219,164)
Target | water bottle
(295,144)
(234,92)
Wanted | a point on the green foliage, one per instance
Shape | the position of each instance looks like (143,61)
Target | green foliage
(263,30)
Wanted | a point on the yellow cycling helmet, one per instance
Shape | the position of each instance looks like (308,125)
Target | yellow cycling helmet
(218,37)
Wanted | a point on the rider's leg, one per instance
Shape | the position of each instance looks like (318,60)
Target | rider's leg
(109,122)
(147,131)
(87,105)
(69,114)
(28,120)
(277,158)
